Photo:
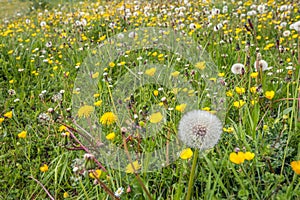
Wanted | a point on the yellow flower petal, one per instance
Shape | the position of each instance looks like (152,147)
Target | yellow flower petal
(22,134)
(156,117)
(44,168)
(95,174)
(200,65)
(237,158)
(151,71)
(296,166)
(186,153)
(249,155)
(129,168)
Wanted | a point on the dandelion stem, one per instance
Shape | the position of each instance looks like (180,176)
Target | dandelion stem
(134,170)
(191,181)
(85,149)
(112,101)
(105,187)
(44,188)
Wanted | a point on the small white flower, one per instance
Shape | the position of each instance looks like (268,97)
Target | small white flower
(261,64)
(199,129)
(237,68)
(49,44)
(119,192)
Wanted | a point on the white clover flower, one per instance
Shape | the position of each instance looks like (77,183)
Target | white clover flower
(119,192)
(237,68)
(261,64)
(199,129)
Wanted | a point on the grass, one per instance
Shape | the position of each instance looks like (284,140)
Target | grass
(47,50)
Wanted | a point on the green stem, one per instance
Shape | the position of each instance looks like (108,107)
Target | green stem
(191,181)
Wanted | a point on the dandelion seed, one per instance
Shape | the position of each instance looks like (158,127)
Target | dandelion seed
(262,64)
(85,111)
(237,68)
(199,129)
(108,118)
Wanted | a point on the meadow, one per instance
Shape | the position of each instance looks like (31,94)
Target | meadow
(191,99)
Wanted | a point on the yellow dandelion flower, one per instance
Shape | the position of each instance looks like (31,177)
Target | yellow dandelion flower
(175,74)
(8,114)
(296,166)
(98,103)
(240,90)
(66,195)
(44,168)
(253,90)
(22,134)
(239,104)
(1,119)
(206,108)
(269,94)
(96,95)
(229,129)
(85,111)
(151,71)
(95,75)
(111,64)
(249,156)
(237,158)
(108,118)
(62,128)
(129,168)
(95,174)
(155,93)
(200,65)
(253,102)
(186,153)
(156,117)
(110,136)
(229,94)
(254,74)
(221,74)
(180,107)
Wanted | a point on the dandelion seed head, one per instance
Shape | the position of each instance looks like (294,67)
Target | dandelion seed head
(199,129)
(237,68)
